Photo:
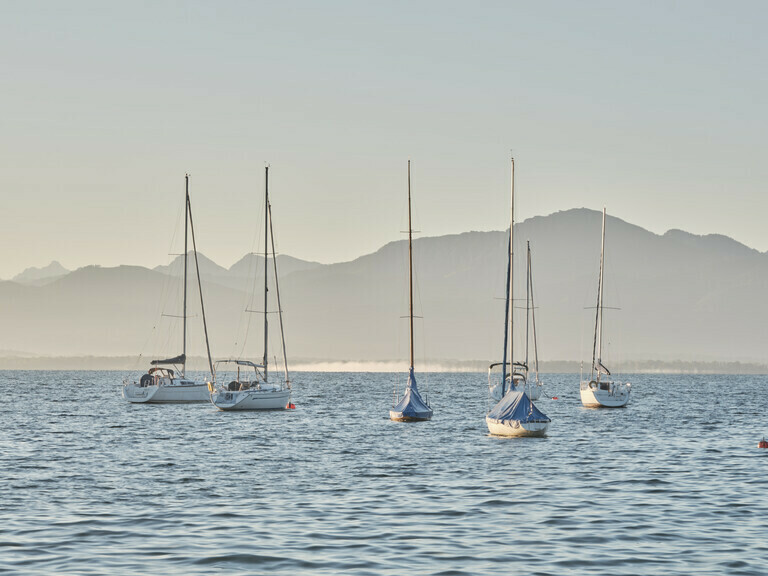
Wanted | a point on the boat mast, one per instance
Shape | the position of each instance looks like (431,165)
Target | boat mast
(600,299)
(510,288)
(597,344)
(266,255)
(186,230)
(410,261)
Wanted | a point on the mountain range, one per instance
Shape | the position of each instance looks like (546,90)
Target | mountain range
(41,276)
(675,296)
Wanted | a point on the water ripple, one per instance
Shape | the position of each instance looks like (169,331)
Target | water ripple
(671,484)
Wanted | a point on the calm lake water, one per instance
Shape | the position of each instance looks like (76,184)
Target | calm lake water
(672,484)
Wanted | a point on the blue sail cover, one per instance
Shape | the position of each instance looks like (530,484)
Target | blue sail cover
(517,407)
(411,406)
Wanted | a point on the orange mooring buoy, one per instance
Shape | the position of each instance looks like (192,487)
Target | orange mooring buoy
(290,406)
(762,443)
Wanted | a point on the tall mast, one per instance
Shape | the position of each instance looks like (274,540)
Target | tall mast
(410,260)
(266,255)
(600,297)
(511,298)
(597,344)
(186,230)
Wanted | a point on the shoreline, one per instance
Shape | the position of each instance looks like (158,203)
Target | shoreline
(132,363)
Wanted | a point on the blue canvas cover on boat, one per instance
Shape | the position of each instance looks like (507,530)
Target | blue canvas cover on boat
(411,405)
(517,407)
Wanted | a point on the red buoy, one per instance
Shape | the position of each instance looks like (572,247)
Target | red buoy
(290,406)
(554,397)
(762,443)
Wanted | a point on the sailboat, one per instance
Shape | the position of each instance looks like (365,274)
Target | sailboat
(514,413)
(166,381)
(250,386)
(600,390)
(411,407)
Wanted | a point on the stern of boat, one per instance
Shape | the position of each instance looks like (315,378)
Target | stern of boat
(136,394)
(604,394)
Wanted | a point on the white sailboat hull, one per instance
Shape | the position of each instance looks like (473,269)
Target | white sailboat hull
(174,392)
(515,427)
(400,417)
(604,394)
(251,399)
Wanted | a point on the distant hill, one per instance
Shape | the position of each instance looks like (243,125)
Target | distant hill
(696,299)
(39,276)
(241,274)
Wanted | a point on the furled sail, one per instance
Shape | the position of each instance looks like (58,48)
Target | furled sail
(180,359)
(517,407)
(601,368)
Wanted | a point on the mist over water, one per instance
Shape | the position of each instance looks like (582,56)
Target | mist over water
(673,484)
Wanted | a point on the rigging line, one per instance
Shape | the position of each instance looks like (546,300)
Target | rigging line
(600,297)
(506,317)
(266,269)
(170,280)
(533,319)
(251,280)
(403,276)
(511,274)
(277,291)
(416,277)
(200,286)
(247,330)
(527,302)
(597,317)
(423,338)
(162,301)
(145,345)
(410,261)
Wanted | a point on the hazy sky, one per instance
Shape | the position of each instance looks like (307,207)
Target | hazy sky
(655,109)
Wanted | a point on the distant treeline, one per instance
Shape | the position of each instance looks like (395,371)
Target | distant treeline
(133,363)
